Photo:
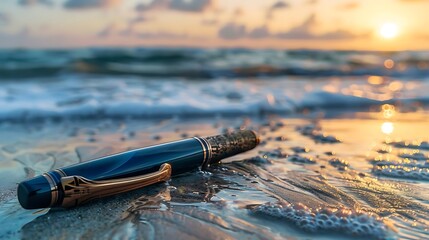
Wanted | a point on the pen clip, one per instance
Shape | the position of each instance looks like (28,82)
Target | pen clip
(78,190)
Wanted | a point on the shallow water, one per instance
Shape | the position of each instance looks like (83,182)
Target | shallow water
(298,183)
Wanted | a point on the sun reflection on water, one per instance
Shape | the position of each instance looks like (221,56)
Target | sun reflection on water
(388,110)
(389,63)
(375,80)
(387,128)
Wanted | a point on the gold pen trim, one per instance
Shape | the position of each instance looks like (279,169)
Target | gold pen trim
(79,190)
(209,150)
(205,153)
(60,172)
(209,153)
(54,188)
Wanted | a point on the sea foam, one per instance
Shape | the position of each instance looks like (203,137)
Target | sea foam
(107,96)
(346,221)
(417,173)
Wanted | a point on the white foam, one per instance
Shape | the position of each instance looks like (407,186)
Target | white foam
(347,221)
(417,173)
(89,97)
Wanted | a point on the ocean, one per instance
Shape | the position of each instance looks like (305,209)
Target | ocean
(167,82)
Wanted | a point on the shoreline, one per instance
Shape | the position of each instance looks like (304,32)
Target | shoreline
(288,155)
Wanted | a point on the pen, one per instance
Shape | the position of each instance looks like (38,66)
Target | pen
(77,184)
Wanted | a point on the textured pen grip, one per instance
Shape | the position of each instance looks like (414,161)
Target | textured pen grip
(227,145)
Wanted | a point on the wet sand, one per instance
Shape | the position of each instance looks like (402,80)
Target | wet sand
(352,175)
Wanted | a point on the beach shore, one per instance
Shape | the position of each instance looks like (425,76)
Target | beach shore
(331,175)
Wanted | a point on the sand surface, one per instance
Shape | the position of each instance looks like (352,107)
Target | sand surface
(334,176)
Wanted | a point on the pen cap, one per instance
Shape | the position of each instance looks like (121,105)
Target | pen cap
(227,145)
(35,193)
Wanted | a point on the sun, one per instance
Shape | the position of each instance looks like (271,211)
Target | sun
(388,30)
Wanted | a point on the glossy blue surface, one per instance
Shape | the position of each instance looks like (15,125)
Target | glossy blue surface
(183,156)
(34,193)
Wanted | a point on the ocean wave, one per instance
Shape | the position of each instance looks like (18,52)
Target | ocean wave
(214,63)
(112,97)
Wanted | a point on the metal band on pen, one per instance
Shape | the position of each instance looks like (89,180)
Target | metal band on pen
(203,146)
(54,188)
(209,151)
(209,148)
(60,172)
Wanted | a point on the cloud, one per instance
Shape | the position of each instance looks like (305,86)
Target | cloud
(340,34)
(107,31)
(154,5)
(86,4)
(161,35)
(260,32)
(303,32)
(4,18)
(348,6)
(177,5)
(35,2)
(232,31)
(277,6)
(129,30)
(190,5)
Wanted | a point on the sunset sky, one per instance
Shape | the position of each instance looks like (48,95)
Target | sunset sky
(318,24)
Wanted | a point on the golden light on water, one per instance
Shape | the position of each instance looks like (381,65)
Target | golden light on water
(387,127)
(396,86)
(375,80)
(388,30)
(388,110)
(389,63)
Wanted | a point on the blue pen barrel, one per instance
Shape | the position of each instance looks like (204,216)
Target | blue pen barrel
(183,156)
